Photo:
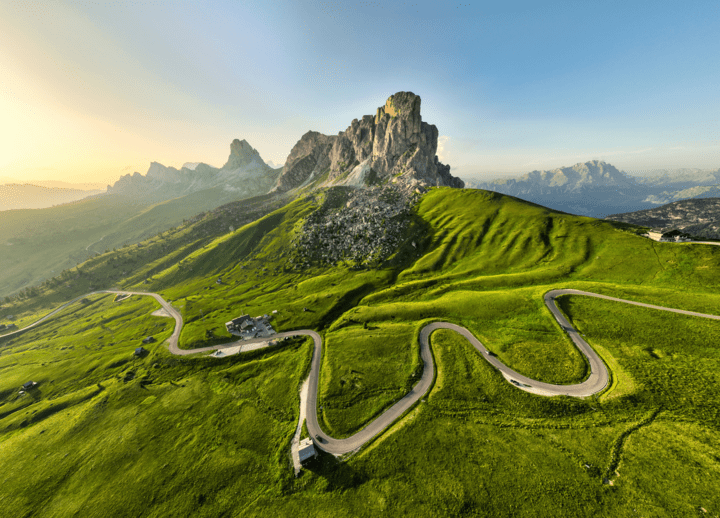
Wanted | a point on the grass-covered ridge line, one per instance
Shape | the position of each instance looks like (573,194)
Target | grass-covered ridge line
(437,460)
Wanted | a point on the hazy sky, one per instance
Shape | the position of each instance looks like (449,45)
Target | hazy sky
(93,90)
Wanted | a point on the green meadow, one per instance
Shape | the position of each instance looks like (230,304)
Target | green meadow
(39,244)
(108,433)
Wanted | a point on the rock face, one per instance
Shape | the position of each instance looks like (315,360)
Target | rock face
(307,160)
(394,146)
(245,174)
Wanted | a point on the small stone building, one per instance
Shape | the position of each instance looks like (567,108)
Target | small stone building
(306,450)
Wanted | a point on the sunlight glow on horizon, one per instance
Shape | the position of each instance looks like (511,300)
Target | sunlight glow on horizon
(90,92)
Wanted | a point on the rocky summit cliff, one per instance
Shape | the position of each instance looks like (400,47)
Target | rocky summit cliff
(244,174)
(393,146)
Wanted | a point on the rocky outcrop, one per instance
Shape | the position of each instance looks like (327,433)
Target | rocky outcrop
(394,146)
(308,160)
(358,227)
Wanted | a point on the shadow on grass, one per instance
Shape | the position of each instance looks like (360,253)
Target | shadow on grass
(347,301)
(338,474)
(628,227)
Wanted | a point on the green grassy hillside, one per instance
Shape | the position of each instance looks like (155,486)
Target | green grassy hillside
(38,244)
(211,437)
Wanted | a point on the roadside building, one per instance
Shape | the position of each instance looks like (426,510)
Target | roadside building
(247,327)
(306,450)
(241,322)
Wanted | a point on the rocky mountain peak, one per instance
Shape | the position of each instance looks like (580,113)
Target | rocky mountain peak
(401,104)
(242,154)
(593,173)
(599,169)
(159,172)
(394,146)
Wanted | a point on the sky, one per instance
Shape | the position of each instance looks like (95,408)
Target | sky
(90,91)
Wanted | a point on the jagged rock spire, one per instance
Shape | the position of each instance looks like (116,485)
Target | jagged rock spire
(242,154)
(394,145)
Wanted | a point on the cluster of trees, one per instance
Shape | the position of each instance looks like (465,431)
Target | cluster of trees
(675,233)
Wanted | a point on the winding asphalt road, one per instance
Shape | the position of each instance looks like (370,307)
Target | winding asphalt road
(596,381)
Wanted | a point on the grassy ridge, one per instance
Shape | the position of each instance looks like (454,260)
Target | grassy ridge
(38,244)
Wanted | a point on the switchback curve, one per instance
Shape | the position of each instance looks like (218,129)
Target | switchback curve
(596,381)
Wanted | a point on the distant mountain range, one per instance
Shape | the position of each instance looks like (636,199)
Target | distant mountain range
(245,174)
(40,243)
(678,178)
(597,189)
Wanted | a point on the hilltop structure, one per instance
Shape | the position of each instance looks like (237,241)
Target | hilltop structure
(394,146)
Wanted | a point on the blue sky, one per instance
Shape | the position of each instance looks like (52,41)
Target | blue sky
(93,90)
